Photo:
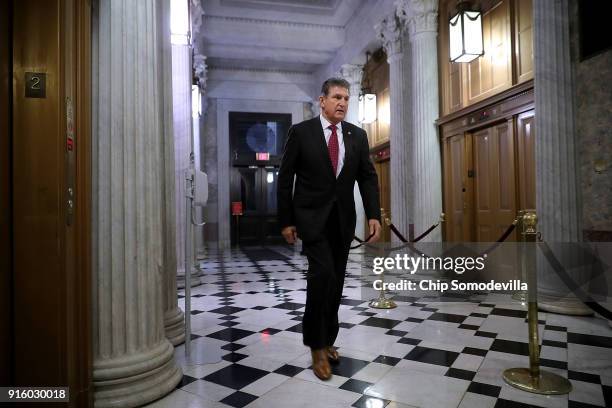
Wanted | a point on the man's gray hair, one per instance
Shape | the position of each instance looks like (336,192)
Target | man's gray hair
(334,82)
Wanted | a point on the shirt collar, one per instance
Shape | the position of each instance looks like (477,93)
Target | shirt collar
(326,123)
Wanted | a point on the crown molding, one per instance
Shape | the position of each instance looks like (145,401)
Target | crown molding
(290,24)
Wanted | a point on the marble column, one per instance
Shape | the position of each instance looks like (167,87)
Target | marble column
(181,100)
(391,33)
(557,168)
(174,318)
(353,73)
(133,361)
(200,69)
(422,18)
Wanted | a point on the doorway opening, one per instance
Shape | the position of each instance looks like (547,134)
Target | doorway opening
(256,147)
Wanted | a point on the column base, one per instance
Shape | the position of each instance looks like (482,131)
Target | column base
(137,379)
(567,305)
(174,326)
(196,274)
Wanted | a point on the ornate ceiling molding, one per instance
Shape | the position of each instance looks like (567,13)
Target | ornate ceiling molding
(291,24)
(352,73)
(200,70)
(420,15)
(389,31)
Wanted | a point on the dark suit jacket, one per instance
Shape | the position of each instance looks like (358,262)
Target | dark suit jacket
(316,187)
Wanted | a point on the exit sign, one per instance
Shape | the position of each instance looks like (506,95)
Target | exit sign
(263,156)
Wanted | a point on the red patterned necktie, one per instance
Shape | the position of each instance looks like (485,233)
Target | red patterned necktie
(333,147)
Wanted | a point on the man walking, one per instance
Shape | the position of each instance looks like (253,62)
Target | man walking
(326,155)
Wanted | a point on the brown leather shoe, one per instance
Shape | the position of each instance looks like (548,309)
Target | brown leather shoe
(320,365)
(333,355)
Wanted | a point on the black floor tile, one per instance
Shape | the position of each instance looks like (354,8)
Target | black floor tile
(196,312)
(460,374)
(485,334)
(228,317)
(232,346)
(502,403)
(239,399)
(447,317)
(388,360)
(289,370)
(432,356)
(235,376)
(468,327)
(380,322)
(234,357)
(225,294)
(414,320)
(499,311)
(347,366)
(185,380)
(398,333)
(408,340)
(555,328)
(270,331)
(484,389)
(355,386)
(366,314)
(296,329)
(227,310)
(289,306)
(229,324)
(482,315)
(584,377)
(230,334)
(350,302)
(589,340)
(367,401)
(475,351)
(545,362)
(508,346)
(551,343)
(346,325)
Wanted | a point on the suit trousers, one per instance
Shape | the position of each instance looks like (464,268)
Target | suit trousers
(327,259)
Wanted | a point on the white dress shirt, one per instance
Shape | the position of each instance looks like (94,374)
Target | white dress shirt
(327,132)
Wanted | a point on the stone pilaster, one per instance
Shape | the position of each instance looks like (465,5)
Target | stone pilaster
(422,19)
(174,318)
(557,169)
(181,97)
(133,359)
(353,73)
(391,33)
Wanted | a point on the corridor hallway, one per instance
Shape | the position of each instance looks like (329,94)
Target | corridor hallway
(428,352)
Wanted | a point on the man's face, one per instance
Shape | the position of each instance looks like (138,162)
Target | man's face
(335,104)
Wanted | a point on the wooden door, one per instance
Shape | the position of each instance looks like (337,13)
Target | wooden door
(494,181)
(457,188)
(384,184)
(6,311)
(526,161)
(51,179)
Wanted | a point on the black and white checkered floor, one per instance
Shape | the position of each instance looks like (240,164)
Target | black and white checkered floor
(427,352)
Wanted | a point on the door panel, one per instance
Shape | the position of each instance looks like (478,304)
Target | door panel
(384,183)
(526,161)
(494,181)
(5,197)
(456,197)
(256,188)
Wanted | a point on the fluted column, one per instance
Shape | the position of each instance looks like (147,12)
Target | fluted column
(353,73)
(181,97)
(200,69)
(557,170)
(390,32)
(425,152)
(133,360)
(174,318)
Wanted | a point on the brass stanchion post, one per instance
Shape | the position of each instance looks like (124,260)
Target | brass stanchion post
(533,379)
(382,302)
(520,296)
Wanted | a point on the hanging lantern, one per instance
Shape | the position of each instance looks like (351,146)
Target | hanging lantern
(367,107)
(465,34)
(367,99)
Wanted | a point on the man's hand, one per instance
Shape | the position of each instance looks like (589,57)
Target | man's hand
(290,234)
(375,229)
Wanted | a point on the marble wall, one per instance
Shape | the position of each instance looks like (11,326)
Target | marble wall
(209,154)
(593,77)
